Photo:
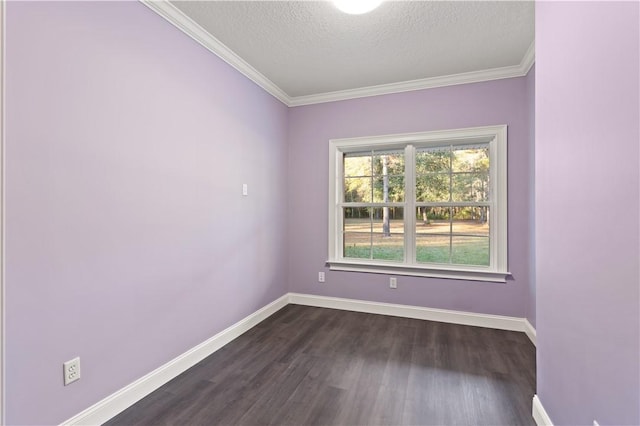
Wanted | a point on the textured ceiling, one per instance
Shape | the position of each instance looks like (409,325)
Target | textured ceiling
(309,47)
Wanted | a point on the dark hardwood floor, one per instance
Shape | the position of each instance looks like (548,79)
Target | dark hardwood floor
(315,366)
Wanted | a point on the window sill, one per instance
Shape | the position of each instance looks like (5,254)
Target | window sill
(416,271)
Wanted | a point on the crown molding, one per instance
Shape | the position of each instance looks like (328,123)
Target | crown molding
(187,25)
(529,58)
(412,85)
(512,71)
(177,18)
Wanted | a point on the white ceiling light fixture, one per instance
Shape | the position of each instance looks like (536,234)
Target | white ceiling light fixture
(357,7)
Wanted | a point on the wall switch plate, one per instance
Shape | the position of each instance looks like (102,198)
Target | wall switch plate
(393,282)
(320,277)
(71,371)
(245,189)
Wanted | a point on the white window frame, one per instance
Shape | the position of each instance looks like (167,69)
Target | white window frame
(496,136)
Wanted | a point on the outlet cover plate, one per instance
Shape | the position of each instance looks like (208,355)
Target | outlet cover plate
(71,371)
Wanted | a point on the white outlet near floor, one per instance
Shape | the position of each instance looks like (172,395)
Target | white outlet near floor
(71,371)
(393,282)
(320,277)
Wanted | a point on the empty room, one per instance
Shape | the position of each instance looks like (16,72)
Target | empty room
(320,212)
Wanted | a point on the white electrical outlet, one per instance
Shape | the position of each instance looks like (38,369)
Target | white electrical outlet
(71,371)
(245,189)
(320,277)
(393,282)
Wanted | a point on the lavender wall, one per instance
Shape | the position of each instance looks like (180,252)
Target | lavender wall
(128,240)
(531,125)
(311,127)
(587,187)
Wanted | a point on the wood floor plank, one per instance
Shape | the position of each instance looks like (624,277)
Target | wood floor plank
(316,366)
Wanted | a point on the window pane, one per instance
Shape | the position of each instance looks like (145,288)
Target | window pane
(470,187)
(467,250)
(433,220)
(470,159)
(433,161)
(390,163)
(434,187)
(357,164)
(357,219)
(357,190)
(388,220)
(388,247)
(471,221)
(374,233)
(432,248)
(357,245)
(389,189)
(357,232)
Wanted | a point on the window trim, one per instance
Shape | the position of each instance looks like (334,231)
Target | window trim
(497,271)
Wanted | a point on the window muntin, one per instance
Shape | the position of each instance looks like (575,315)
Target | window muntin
(430,204)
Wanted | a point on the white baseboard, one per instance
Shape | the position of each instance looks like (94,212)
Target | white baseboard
(417,312)
(129,395)
(530,331)
(539,413)
(132,393)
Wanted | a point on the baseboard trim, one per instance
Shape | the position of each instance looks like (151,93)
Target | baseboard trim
(122,399)
(416,312)
(530,331)
(129,395)
(539,413)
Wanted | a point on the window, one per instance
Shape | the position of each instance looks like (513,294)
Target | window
(427,204)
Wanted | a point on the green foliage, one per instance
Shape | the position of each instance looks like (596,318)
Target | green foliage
(365,177)
(441,176)
(432,176)
(452,175)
